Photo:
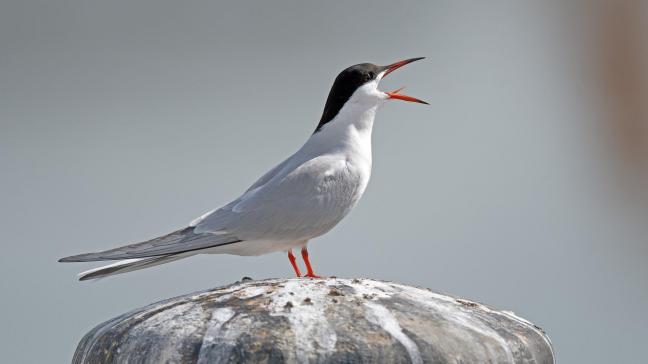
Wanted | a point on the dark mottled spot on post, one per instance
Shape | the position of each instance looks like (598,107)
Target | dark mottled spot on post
(467,303)
(335,292)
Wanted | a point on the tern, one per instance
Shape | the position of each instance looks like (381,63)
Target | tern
(303,197)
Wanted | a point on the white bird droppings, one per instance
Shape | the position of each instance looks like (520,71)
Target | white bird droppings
(379,315)
(302,303)
(215,332)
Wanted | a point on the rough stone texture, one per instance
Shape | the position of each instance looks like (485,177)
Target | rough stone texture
(317,321)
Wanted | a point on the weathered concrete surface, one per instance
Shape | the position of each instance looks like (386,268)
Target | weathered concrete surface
(317,321)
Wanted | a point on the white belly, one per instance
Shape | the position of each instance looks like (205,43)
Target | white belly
(256,247)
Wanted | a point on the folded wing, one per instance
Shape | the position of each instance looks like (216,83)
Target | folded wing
(179,241)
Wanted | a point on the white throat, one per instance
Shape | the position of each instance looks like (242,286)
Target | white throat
(351,128)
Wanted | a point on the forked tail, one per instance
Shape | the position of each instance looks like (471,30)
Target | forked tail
(128,265)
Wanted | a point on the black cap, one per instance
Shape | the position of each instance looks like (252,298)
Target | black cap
(348,81)
(344,86)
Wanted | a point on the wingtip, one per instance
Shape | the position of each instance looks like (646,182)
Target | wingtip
(71,259)
(90,257)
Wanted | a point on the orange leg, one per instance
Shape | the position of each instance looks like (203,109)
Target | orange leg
(293,261)
(309,268)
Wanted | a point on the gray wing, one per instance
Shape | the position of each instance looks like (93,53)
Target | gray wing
(180,241)
(296,202)
(221,220)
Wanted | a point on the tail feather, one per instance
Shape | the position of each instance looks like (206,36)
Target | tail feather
(128,265)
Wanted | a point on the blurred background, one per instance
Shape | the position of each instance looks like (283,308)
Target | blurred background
(524,185)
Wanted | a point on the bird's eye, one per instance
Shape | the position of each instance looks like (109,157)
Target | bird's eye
(370,76)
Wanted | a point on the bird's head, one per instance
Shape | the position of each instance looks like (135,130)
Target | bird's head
(358,84)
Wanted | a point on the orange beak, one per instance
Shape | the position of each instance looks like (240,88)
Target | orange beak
(395,94)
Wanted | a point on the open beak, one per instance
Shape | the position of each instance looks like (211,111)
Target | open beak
(396,93)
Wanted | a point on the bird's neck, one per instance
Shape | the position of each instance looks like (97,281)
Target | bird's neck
(348,132)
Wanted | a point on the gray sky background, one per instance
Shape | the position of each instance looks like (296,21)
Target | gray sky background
(122,120)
